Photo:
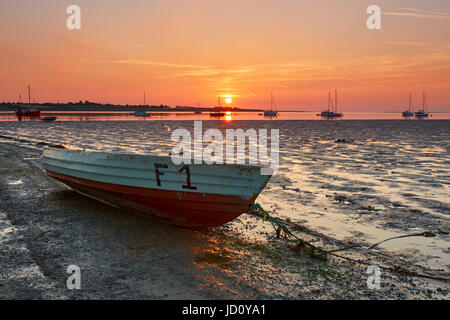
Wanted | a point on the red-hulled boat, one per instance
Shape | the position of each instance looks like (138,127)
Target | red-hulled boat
(28,113)
(197,195)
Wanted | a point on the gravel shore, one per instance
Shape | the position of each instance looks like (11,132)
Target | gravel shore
(45,227)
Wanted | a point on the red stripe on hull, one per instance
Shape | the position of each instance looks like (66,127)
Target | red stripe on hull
(182,208)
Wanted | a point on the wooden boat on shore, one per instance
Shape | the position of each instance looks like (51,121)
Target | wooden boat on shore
(197,195)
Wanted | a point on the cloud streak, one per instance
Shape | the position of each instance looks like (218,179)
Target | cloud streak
(155,63)
(411,12)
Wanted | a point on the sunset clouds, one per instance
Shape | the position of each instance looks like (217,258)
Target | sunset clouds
(416,13)
(188,52)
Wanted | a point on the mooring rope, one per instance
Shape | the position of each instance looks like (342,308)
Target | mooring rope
(316,252)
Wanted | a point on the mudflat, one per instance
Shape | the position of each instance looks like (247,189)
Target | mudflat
(45,227)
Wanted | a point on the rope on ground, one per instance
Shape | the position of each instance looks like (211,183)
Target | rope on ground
(283,232)
(315,252)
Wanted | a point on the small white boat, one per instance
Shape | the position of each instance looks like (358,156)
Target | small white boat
(197,195)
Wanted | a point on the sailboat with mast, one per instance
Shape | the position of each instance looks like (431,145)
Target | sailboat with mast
(410,112)
(141,113)
(331,112)
(423,113)
(217,113)
(28,112)
(272,112)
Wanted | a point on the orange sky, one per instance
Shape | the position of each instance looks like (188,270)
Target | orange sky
(187,52)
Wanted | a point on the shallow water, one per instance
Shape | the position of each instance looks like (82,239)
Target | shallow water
(389,178)
(228,116)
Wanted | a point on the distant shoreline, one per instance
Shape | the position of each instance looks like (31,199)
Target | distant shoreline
(92,106)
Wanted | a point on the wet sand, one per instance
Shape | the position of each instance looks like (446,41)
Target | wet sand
(360,181)
(45,227)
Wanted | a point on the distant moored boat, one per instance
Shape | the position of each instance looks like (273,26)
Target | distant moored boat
(197,195)
(219,113)
(271,112)
(28,112)
(331,112)
(410,112)
(140,113)
(423,113)
(407,114)
(48,119)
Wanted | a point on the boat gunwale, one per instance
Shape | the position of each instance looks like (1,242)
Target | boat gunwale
(147,179)
(138,155)
(142,169)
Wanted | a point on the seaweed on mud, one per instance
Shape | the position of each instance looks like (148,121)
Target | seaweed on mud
(324,273)
(344,140)
(312,251)
(343,199)
(260,248)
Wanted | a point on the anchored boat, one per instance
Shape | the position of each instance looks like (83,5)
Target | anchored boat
(271,112)
(140,113)
(219,113)
(423,113)
(197,195)
(48,119)
(27,112)
(410,112)
(331,112)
